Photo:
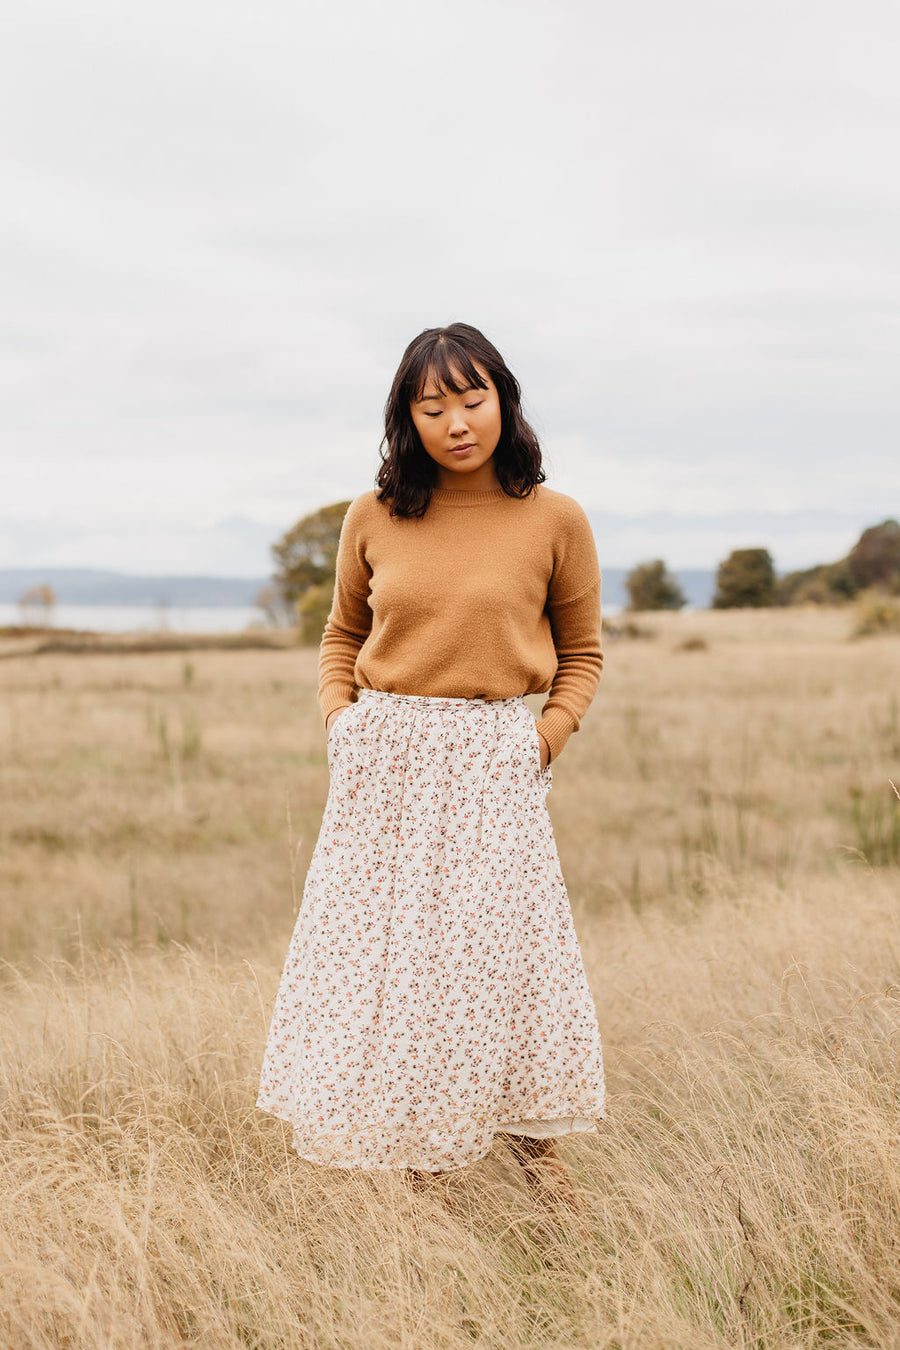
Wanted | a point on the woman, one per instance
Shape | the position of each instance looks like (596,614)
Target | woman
(434,993)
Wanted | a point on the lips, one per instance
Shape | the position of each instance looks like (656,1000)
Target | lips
(460,449)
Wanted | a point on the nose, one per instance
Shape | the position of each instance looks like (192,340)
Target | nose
(458,424)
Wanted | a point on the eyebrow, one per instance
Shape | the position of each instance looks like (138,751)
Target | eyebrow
(469,389)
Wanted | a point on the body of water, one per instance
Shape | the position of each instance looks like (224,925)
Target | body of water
(144,618)
(153,619)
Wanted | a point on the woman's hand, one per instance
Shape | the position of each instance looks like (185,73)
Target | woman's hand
(332,717)
(545,751)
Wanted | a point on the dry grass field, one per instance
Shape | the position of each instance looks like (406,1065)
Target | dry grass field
(731,844)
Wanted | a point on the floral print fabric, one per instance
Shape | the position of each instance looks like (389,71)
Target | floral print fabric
(434,992)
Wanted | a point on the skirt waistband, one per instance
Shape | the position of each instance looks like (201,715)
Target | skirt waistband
(436,701)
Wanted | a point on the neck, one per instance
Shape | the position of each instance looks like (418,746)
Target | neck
(483,479)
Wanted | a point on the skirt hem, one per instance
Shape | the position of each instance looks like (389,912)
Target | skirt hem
(516,1125)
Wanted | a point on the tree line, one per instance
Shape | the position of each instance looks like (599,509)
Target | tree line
(305,556)
(746,579)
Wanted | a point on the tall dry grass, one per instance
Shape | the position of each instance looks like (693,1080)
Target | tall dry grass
(735,889)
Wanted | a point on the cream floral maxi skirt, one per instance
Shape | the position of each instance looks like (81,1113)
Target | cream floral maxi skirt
(434,992)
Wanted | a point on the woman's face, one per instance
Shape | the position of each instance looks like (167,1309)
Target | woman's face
(460,432)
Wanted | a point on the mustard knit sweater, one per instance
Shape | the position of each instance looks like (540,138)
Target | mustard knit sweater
(485,596)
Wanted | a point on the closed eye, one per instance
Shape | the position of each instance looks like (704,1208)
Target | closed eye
(468,405)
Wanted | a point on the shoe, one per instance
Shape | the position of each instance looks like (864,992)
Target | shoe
(547,1176)
(418,1181)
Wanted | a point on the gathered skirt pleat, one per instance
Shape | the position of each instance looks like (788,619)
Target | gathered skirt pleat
(434,992)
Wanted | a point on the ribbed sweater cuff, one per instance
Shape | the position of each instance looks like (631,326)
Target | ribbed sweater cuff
(336,696)
(556,726)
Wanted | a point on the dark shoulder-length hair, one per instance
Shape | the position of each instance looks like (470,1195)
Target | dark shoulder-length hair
(407,474)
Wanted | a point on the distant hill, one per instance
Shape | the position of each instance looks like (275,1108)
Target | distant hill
(84,586)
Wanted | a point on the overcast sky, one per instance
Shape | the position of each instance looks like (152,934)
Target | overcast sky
(222,223)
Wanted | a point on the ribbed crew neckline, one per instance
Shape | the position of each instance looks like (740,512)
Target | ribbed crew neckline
(462,497)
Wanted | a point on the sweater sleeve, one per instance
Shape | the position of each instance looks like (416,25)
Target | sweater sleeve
(350,620)
(573,608)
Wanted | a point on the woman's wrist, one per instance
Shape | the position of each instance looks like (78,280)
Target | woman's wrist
(333,716)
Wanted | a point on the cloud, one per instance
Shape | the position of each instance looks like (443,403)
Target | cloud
(222,225)
(236,547)
(795,540)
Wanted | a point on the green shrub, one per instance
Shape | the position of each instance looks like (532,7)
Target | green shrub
(651,586)
(876,819)
(877,613)
(312,610)
(745,580)
(827,584)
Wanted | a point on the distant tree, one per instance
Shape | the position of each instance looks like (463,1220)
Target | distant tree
(279,611)
(36,606)
(312,611)
(305,556)
(827,584)
(745,580)
(651,586)
(874,560)
(872,564)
